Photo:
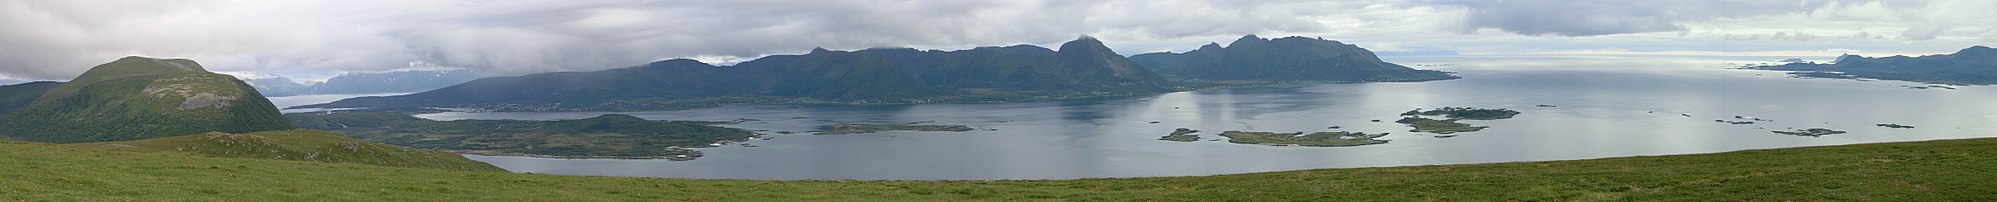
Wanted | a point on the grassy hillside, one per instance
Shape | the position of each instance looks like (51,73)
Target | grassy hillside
(300,145)
(20,95)
(138,98)
(1945,170)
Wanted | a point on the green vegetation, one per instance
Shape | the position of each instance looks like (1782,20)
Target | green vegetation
(607,136)
(1317,139)
(1812,132)
(299,145)
(20,95)
(1426,125)
(1465,113)
(1181,135)
(1976,65)
(851,128)
(137,98)
(1288,59)
(1943,170)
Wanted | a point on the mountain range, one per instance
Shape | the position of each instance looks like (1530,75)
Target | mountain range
(1080,68)
(1252,58)
(135,98)
(366,82)
(1976,65)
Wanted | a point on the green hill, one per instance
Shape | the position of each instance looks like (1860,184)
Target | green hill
(138,98)
(1284,59)
(1942,170)
(299,145)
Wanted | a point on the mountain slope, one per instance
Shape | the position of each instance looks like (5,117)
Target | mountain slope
(300,145)
(1082,67)
(1976,65)
(1284,59)
(20,95)
(139,98)
(1942,170)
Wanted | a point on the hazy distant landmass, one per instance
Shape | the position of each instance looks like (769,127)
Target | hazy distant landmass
(135,98)
(1975,65)
(1083,67)
(1283,59)
(370,82)
(1080,68)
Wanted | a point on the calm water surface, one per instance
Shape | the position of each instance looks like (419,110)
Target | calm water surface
(1607,107)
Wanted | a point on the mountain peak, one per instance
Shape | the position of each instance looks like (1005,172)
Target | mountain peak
(1210,46)
(1976,50)
(1247,40)
(819,50)
(1083,45)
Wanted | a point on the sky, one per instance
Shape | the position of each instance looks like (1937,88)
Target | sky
(308,39)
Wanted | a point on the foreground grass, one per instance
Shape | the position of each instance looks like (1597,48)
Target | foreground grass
(1944,170)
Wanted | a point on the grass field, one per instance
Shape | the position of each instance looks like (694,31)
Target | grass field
(1943,170)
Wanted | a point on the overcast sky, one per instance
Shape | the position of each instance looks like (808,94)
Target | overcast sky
(58,39)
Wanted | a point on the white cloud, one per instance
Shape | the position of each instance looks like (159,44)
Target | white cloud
(59,39)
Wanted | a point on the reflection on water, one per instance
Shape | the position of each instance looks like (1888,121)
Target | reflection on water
(1607,107)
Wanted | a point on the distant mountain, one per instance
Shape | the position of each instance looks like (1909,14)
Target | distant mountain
(1084,67)
(1975,65)
(135,98)
(278,86)
(1252,58)
(300,145)
(372,82)
(12,81)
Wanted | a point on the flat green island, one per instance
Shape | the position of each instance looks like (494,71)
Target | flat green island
(1426,125)
(1465,113)
(1812,132)
(607,136)
(1316,139)
(1414,118)
(1181,135)
(854,128)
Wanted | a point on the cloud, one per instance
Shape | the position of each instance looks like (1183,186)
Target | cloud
(59,39)
(1595,18)
(1924,32)
(62,38)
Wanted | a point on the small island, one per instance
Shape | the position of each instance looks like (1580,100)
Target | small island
(1465,113)
(1182,135)
(1414,118)
(1889,125)
(1426,125)
(1812,132)
(854,128)
(1317,139)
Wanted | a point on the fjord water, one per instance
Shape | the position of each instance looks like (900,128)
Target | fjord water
(1606,107)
